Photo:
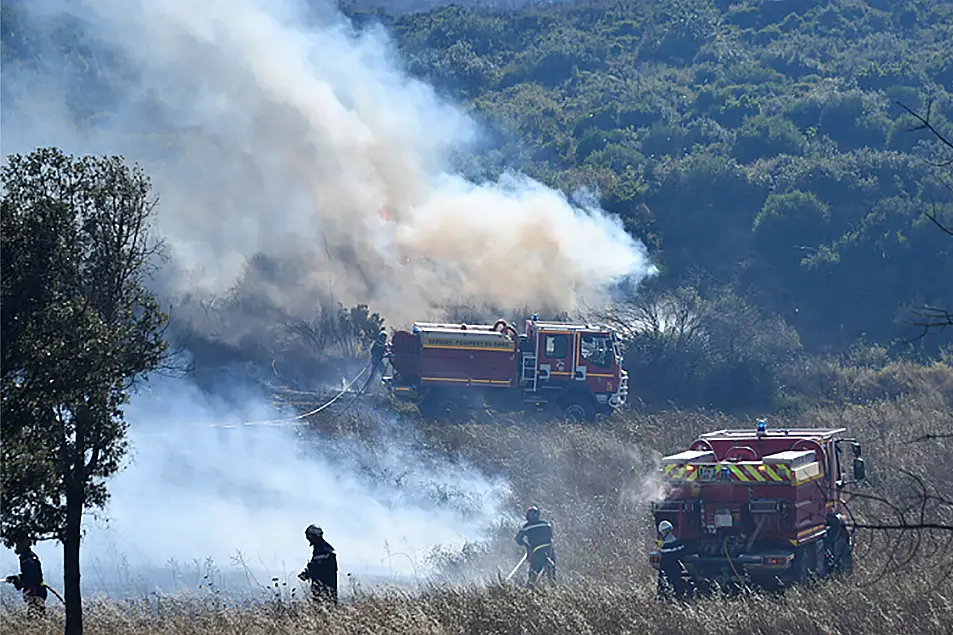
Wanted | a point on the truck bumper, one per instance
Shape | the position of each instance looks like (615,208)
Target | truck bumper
(759,564)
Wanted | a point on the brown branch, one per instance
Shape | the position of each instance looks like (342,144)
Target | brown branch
(930,318)
(926,125)
(903,527)
(932,437)
(919,524)
(943,228)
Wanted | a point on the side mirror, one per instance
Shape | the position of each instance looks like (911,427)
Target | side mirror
(860,471)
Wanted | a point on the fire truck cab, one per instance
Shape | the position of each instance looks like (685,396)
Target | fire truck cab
(577,366)
(760,506)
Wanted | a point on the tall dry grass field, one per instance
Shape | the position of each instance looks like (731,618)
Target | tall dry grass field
(595,483)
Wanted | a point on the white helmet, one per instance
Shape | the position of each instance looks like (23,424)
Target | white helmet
(664,527)
(313,531)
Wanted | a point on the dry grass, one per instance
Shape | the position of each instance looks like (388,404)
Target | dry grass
(594,482)
(903,606)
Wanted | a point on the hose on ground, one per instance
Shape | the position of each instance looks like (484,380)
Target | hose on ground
(303,415)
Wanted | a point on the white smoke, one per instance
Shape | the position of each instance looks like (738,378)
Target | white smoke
(193,492)
(273,127)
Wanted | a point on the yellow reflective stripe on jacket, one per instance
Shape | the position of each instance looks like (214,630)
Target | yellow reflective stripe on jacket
(538,547)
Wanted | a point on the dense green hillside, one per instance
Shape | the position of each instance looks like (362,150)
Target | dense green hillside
(757,145)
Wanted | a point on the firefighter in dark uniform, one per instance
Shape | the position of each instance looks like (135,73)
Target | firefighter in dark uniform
(30,578)
(322,570)
(837,546)
(536,536)
(378,353)
(671,571)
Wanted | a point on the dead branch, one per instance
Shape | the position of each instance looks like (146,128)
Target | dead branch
(933,217)
(926,124)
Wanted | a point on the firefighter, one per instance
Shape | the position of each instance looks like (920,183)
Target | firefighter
(671,571)
(378,353)
(322,570)
(536,536)
(30,578)
(837,547)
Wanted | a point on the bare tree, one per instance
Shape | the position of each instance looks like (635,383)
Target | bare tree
(928,318)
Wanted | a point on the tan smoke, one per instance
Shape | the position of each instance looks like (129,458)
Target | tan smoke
(286,133)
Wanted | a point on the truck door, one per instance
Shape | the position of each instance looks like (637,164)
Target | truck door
(555,356)
(594,358)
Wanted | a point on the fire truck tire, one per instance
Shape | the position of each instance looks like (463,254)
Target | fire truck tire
(799,567)
(577,407)
(442,406)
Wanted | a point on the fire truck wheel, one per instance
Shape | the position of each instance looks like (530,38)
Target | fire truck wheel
(442,407)
(577,407)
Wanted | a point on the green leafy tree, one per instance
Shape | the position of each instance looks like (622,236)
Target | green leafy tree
(79,327)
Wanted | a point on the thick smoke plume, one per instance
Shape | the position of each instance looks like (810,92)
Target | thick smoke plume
(272,128)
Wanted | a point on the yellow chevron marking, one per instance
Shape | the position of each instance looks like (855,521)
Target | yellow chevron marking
(771,473)
(755,473)
(744,473)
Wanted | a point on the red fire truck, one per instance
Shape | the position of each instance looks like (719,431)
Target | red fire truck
(761,507)
(448,368)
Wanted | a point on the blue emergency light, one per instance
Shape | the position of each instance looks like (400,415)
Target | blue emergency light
(762,426)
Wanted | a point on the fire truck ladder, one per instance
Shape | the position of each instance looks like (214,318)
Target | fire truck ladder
(528,372)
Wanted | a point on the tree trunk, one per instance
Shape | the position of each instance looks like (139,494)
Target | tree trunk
(71,587)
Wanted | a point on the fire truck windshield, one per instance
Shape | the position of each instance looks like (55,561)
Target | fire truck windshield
(596,349)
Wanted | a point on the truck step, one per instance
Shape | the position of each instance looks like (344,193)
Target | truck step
(535,399)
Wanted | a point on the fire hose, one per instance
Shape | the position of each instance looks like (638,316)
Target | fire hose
(516,568)
(59,597)
(730,562)
(306,414)
(53,591)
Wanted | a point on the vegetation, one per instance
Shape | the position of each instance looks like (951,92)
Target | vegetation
(594,482)
(900,607)
(79,328)
(757,146)
(763,151)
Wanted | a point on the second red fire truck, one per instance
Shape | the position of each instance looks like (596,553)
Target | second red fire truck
(761,506)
